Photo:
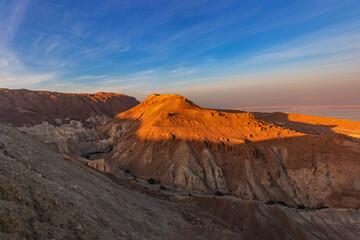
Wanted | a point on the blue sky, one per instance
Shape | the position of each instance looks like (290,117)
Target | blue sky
(217,53)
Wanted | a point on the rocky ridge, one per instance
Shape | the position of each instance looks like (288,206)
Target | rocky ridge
(21,107)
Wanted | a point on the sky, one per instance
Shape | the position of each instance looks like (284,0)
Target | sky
(219,54)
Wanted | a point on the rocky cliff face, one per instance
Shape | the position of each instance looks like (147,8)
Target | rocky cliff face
(178,143)
(73,137)
(64,121)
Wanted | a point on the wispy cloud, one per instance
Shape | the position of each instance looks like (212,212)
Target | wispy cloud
(146,72)
(125,49)
(99,80)
(8,59)
(27,81)
(336,41)
(185,70)
(103,50)
(211,60)
(87,77)
(11,22)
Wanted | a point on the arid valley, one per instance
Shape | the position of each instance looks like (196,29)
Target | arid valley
(114,168)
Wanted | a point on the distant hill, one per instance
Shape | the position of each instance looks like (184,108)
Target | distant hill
(21,107)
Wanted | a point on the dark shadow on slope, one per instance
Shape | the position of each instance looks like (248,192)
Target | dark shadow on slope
(282,119)
(228,110)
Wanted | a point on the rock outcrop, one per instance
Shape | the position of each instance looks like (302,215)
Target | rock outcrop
(72,138)
(62,120)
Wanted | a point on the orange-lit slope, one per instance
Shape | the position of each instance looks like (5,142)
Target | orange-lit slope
(23,107)
(178,143)
(312,124)
(162,117)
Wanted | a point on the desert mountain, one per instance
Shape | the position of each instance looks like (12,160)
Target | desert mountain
(21,107)
(47,195)
(299,164)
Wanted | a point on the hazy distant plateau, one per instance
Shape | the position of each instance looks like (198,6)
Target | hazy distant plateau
(350,112)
